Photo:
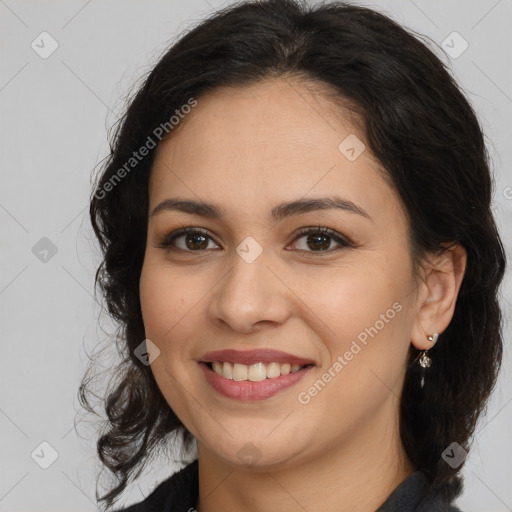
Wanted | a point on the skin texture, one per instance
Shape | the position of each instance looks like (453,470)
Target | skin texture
(247,150)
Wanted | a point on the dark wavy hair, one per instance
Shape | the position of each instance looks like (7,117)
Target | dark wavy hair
(417,123)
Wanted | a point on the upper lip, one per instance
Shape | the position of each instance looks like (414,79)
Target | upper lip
(249,357)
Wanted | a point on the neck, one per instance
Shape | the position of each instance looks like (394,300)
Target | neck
(356,475)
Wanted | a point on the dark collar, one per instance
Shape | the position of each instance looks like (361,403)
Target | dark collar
(179,493)
(412,495)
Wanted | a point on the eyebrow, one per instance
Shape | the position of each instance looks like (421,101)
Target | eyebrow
(277,213)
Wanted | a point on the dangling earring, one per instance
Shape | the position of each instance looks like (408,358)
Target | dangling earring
(423,358)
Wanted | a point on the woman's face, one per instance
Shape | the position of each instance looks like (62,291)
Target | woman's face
(344,302)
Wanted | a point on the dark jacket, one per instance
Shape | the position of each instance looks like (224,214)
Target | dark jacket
(179,493)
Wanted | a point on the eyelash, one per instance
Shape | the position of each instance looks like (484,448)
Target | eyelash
(344,242)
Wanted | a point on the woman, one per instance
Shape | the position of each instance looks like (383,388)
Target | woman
(301,255)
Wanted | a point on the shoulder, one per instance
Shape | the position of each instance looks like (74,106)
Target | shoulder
(414,495)
(436,502)
(178,492)
(441,499)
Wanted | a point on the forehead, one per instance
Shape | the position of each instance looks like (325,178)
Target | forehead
(284,118)
(277,139)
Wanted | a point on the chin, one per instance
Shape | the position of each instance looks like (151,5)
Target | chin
(258,457)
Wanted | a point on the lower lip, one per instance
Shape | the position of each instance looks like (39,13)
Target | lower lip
(249,391)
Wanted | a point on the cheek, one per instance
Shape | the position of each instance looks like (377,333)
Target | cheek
(167,311)
(367,310)
(365,351)
(164,301)
(353,298)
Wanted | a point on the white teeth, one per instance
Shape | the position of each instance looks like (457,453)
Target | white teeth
(273,370)
(254,372)
(239,372)
(257,372)
(227,370)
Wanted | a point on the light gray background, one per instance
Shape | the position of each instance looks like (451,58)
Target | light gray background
(54,114)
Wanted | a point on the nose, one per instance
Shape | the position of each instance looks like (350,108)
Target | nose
(250,296)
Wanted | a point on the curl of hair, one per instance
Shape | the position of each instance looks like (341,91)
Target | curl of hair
(427,137)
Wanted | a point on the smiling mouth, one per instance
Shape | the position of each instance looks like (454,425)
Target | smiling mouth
(254,372)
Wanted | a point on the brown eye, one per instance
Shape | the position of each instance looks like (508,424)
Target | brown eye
(194,240)
(319,240)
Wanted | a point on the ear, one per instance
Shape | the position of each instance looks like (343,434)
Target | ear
(438,294)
